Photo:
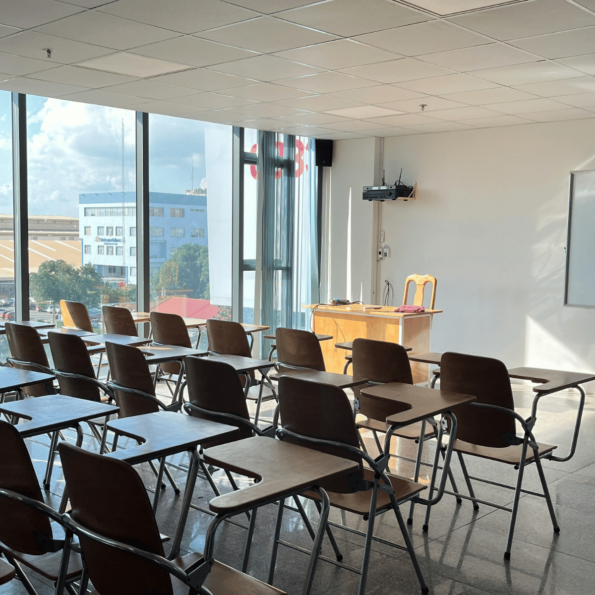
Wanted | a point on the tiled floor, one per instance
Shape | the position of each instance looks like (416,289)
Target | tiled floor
(462,553)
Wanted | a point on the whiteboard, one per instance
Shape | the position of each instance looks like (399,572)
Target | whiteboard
(580,245)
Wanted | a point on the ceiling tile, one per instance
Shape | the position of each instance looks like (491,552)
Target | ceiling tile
(431,104)
(560,45)
(19,66)
(496,121)
(194,51)
(584,64)
(423,38)
(313,119)
(308,131)
(270,6)
(217,117)
(342,136)
(4,30)
(558,115)
(184,16)
(64,51)
(265,124)
(266,92)
(106,30)
(101,97)
(266,68)
(82,77)
(41,88)
(327,82)
(214,101)
(583,84)
(586,100)
(590,4)
(400,132)
(149,89)
(441,127)
(520,74)
(334,55)
(485,56)
(405,69)
(267,35)
(353,17)
(32,13)
(87,3)
(404,120)
(443,85)
(132,65)
(356,125)
(266,110)
(378,94)
(463,113)
(319,103)
(204,80)
(495,95)
(525,107)
(166,108)
(526,19)
(365,111)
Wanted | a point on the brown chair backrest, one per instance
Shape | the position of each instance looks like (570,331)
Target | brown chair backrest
(420,284)
(299,348)
(228,338)
(486,379)
(119,321)
(25,344)
(70,355)
(108,497)
(319,411)
(216,386)
(170,329)
(129,368)
(21,526)
(75,315)
(379,361)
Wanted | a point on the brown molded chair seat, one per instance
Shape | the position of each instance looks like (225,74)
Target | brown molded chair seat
(7,572)
(359,502)
(47,565)
(410,432)
(254,391)
(511,455)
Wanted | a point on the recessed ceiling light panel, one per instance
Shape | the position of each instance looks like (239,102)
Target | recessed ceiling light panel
(447,8)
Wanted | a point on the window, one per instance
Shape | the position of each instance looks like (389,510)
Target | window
(109,231)
(155,211)
(176,213)
(119,231)
(119,251)
(133,231)
(133,271)
(176,232)
(197,232)
(87,249)
(88,230)
(157,249)
(101,231)
(132,250)
(156,232)
(110,250)
(101,212)
(100,250)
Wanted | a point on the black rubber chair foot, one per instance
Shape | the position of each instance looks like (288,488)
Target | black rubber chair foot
(476,507)
(178,491)
(425,590)
(507,555)
(410,521)
(425,528)
(163,486)
(557,530)
(46,486)
(459,501)
(340,558)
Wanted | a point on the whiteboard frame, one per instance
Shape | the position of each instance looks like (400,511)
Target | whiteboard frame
(569,237)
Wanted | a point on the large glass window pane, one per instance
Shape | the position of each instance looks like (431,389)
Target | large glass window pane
(81,198)
(191,193)
(6,226)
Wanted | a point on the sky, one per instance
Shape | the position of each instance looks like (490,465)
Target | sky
(76,148)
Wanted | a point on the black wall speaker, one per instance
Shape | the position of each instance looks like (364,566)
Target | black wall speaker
(324,152)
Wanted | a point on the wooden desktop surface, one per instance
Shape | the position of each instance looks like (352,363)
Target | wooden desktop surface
(369,310)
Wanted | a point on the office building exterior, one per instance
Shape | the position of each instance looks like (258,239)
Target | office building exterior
(108,230)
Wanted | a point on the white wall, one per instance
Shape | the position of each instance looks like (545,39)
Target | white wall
(490,224)
(348,245)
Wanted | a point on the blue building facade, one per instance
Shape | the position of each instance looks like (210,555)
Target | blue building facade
(107,227)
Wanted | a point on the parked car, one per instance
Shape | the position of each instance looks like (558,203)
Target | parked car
(9,315)
(49,309)
(94,313)
(10,302)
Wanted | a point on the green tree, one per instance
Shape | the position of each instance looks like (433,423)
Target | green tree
(188,269)
(57,280)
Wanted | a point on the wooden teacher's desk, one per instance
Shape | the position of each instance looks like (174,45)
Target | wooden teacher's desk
(357,321)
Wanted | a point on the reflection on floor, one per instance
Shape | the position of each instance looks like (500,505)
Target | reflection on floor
(462,554)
